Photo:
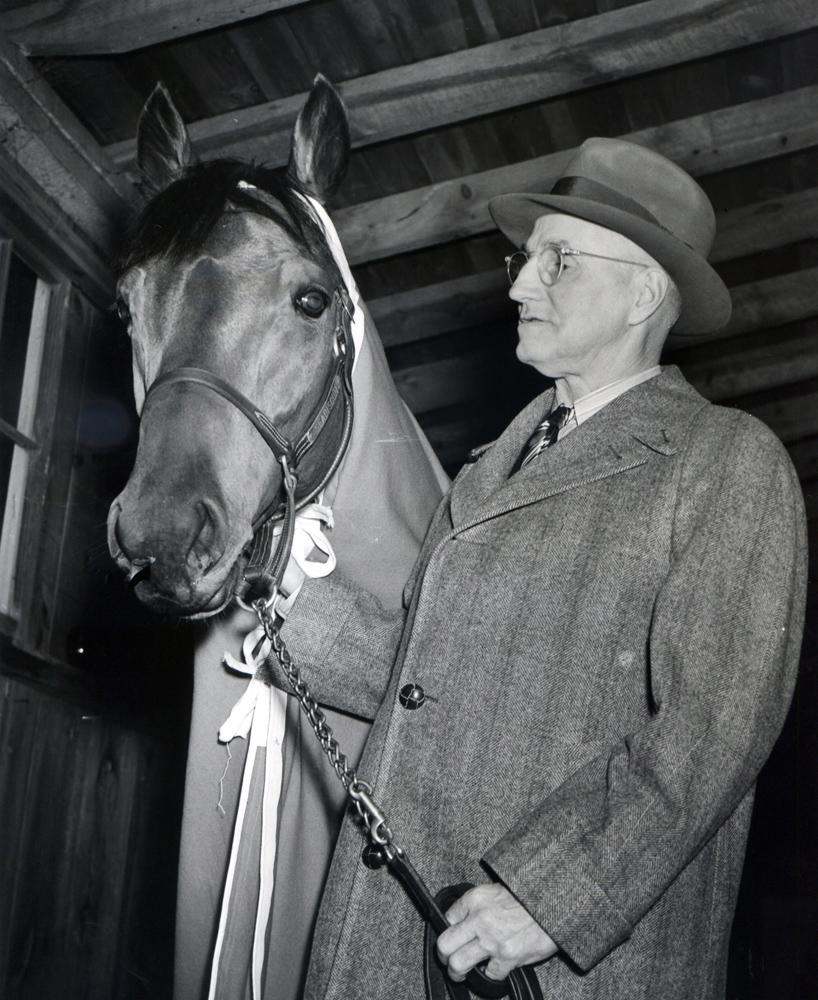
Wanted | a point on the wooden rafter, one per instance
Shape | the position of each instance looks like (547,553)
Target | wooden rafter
(44,117)
(739,373)
(508,73)
(442,307)
(789,218)
(106,27)
(719,140)
(769,303)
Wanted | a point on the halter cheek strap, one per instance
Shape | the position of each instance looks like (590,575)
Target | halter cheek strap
(267,560)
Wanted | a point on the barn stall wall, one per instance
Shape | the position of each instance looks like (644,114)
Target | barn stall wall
(451,102)
(93,692)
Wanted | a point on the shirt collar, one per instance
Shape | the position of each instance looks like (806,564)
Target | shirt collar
(587,406)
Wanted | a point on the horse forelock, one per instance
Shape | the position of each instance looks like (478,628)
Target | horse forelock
(177,222)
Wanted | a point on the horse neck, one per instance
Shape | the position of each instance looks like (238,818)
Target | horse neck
(388,485)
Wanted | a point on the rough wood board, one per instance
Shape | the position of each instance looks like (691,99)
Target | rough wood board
(41,115)
(508,73)
(71,784)
(440,308)
(100,27)
(18,729)
(46,237)
(61,196)
(775,222)
(446,382)
(755,370)
(44,527)
(768,303)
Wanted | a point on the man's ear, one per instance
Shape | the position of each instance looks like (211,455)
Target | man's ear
(652,291)
(162,143)
(319,154)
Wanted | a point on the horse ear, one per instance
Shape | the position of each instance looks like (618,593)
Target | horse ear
(319,155)
(162,143)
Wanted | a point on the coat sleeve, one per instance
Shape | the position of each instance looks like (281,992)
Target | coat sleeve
(344,643)
(591,859)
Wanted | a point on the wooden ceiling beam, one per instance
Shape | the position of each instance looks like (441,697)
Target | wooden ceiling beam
(446,382)
(761,305)
(35,113)
(508,73)
(720,140)
(755,370)
(483,298)
(441,308)
(108,27)
(776,222)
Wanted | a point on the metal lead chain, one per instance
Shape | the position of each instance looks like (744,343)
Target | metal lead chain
(358,790)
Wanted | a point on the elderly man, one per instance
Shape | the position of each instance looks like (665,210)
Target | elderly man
(600,637)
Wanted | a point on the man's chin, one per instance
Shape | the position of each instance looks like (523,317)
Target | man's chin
(534,358)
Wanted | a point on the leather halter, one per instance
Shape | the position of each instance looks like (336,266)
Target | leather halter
(266,561)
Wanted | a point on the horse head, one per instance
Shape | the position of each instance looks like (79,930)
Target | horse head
(228,271)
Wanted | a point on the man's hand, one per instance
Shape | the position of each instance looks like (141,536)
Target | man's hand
(488,922)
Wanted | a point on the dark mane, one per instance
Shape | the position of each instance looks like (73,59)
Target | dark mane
(176,223)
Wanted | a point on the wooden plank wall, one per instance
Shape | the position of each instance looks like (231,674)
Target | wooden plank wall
(87,858)
(93,714)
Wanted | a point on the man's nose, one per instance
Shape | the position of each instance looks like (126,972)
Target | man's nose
(527,284)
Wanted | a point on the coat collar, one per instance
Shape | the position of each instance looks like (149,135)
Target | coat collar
(642,422)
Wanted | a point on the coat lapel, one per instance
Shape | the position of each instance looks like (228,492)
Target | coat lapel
(478,482)
(625,434)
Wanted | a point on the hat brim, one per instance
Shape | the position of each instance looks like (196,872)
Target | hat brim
(706,304)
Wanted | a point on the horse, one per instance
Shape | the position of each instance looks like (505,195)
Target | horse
(238,300)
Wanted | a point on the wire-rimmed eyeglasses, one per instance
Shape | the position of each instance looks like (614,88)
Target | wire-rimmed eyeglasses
(551,261)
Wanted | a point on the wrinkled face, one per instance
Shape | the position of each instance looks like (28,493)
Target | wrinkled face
(251,309)
(580,324)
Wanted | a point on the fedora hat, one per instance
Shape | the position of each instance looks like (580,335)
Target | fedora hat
(645,197)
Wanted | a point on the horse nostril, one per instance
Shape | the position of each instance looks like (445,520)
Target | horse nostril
(204,548)
(140,570)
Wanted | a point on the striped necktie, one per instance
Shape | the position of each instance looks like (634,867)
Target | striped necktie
(545,434)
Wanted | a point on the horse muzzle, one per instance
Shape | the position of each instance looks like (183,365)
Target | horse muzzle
(175,558)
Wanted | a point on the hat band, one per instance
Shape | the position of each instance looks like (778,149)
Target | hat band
(584,187)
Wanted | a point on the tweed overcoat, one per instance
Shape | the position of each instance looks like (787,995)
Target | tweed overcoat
(607,641)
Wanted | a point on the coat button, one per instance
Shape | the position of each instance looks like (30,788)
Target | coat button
(412,696)
(374,857)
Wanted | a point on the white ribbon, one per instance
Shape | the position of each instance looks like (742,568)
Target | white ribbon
(261,710)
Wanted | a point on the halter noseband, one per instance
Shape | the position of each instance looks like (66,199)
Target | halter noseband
(267,561)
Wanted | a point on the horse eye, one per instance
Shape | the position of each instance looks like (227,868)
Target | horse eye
(312,302)
(123,310)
